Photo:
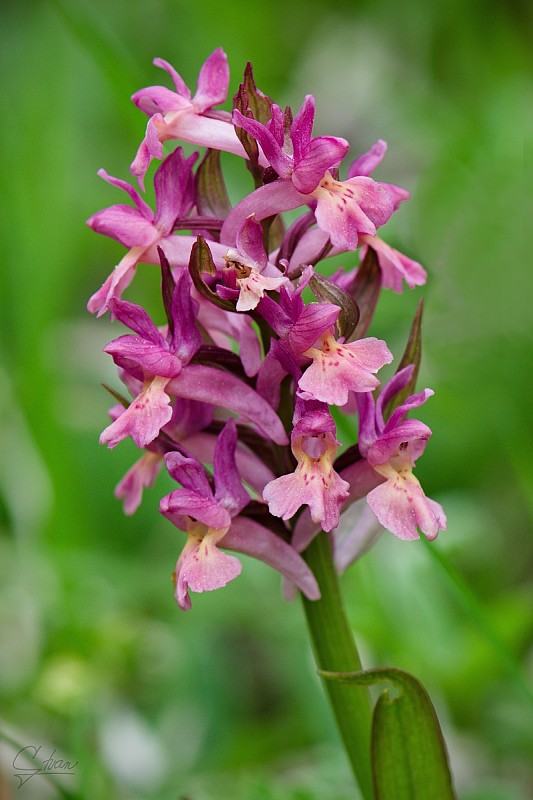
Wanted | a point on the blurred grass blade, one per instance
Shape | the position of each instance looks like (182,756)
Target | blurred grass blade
(118,65)
(475,610)
(409,759)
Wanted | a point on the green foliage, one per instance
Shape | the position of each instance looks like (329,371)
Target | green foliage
(409,759)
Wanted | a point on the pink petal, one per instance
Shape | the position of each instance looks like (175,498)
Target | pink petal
(116,283)
(198,507)
(250,243)
(204,131)
(153,359)
(125,224)
(366,163)
(361,479)
(159,100)
(341,368)
(401,507)
(229,491)
(395,267)
(315,319)
(321,154)
(211,385)
(141,475)
(270,199)
(302,127)
(324,493)
(202,567)
(249,537)
(179,83)
(213,81)
(272,149)
(143,419)
(142,206)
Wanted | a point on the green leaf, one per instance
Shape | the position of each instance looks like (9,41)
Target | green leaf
(411,355)
(327,292)
(259,103)
(211,196)
(253,103)
(167,288)
(409,759)
(117,395)
(365,291)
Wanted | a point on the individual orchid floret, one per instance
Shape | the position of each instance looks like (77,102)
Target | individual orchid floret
(300,157)
(161,365)
(314,482)
(307,332)
(337,368)
(212,520)
(141,476)
(154,359)
(391,449)
(347,209)
(248,264)
(139,228)
(344,210)
(395,266)
(177,115)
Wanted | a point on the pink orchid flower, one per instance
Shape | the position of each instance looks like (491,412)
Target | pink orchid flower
(213,520)
(177,115)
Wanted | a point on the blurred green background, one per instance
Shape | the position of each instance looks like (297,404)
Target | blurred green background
(96,660)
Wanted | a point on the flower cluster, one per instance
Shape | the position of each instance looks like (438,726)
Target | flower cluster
(237,393)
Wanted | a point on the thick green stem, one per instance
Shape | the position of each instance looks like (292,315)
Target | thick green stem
(335,650)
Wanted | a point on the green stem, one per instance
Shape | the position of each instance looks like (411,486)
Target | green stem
(335,650)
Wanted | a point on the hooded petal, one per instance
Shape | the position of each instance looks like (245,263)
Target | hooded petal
(315,319)
(320,155)
(125,224)
(159,100)
(185,502)
(250,243)
(229,490)
(152,359)
(137,320)
(189,472)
